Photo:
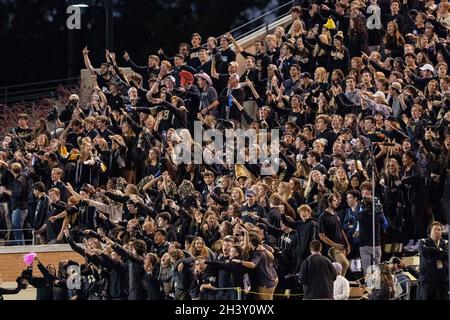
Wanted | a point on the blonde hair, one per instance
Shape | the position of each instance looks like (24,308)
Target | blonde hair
(292,32)
(271,37)
(322,74)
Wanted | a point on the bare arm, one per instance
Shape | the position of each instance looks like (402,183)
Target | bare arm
(62,137)
(151,183)
(328,241)
(214,73)
(87,61)
(236,45)
(253,90)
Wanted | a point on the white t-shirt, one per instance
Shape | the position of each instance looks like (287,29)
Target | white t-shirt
(341,288)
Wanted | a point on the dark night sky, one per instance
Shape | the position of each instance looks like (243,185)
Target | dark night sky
(35,38)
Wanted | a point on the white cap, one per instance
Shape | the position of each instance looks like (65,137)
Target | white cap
(428,67)
(172,78)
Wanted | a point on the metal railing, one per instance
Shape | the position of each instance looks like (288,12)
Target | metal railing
(269,17)
(9,242)
(33,90)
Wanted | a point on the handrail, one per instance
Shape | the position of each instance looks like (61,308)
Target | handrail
(259,17)
(39,82)
(33,90)
(260,27)
(25,239)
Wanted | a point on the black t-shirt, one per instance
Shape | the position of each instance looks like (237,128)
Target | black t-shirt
(234,112)
(102,82)
(105,134)
(226,56)
(374,137)
(206,68)
(365,220)
(167,117)
(330,225)
(194,61)
(72,139)
(24,134)
(115,102)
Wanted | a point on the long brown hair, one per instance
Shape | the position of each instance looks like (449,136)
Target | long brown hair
(386,277)
(358,26)
(397,35)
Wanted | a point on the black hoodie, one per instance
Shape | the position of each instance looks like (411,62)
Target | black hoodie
(307,231)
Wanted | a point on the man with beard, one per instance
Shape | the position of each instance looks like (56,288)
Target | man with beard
(103,77)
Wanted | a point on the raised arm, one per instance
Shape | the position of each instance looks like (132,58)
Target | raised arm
(87,61)
(124,252)
(234,42)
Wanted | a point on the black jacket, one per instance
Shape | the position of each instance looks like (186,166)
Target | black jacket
(433,261)
(135,264)
(317,275)
(236,272)
(19,193)
(118,277)
(153,285)
(307,231)
(41,213)
(365,219)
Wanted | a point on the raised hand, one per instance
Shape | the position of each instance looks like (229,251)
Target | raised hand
(126,56)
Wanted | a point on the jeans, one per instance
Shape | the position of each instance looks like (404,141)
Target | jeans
(18,218)
(5,220)
(366,257)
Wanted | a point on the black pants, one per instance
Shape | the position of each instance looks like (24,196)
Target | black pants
(432,291)
(414,221)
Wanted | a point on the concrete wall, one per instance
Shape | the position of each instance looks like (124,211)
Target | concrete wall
(11,258)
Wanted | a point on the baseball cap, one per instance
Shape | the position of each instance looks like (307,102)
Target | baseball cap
(172,78)
(305,75)
(427,67)
(250,192)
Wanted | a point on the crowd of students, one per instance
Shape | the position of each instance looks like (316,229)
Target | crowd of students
(357,98)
